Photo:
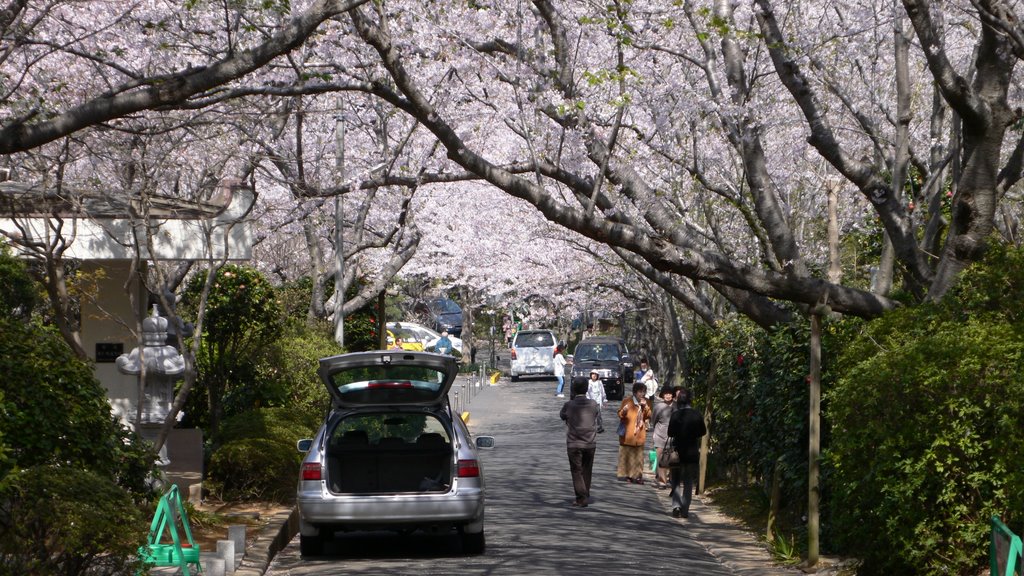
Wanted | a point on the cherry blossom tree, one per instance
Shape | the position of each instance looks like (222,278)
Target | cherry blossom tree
(698,140)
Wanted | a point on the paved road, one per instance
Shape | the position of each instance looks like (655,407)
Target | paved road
(531,526)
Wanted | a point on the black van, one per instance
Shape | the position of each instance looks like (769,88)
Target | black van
(607,355)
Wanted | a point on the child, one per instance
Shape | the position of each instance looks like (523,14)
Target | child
(595,392)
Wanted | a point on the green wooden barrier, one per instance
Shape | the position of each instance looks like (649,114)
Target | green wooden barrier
(1005,550)
(157,552)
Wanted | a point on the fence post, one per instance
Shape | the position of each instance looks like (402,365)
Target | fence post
(1005,550)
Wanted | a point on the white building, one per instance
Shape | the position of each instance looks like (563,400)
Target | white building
(105,235)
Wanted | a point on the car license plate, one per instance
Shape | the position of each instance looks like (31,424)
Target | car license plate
(535,369)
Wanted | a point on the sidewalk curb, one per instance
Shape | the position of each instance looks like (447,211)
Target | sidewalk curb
(269,541)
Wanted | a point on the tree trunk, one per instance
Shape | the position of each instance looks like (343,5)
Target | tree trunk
(316,271)
(705,441)
(835,265)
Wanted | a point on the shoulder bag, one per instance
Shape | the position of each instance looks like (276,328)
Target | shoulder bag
(670,456)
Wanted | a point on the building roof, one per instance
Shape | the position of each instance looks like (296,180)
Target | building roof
(23,199)
(100,226)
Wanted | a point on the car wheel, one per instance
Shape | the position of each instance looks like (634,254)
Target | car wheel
(311,545)
(515,378)
(473,543)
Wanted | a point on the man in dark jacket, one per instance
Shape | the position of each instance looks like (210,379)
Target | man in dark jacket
(580,414)
(686,428)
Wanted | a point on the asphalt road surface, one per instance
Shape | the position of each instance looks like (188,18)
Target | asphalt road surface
(531,527)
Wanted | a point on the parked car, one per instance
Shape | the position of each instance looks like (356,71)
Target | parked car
(607,355)
(391,453)
(445,314)
(412,332)
(533,353)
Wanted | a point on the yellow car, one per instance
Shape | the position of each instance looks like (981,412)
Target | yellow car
(404,341)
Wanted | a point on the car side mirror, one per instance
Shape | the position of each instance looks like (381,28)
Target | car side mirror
(484,441)
(304,445)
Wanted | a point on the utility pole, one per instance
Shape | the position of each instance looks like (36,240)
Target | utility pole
(339,225)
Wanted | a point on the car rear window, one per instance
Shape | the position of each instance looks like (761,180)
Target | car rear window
(534,339)
(388,384)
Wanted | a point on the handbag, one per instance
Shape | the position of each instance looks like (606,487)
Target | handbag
(622,428)
(670,456)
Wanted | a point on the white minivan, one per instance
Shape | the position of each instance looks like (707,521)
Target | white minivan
(533,353)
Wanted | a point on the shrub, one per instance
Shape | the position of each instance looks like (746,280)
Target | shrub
(242,319)
(68,521)
(255,456)
(926,419)
(19,293)
(55,412)
(292,363)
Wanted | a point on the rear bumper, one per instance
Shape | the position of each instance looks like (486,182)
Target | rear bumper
(524,369)
(319,508)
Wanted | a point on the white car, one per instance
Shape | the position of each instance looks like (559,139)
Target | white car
(410,332)
(533,353)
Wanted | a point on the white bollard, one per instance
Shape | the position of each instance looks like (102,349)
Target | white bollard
(195,493)
(213,566)
(236,533)
(226,550)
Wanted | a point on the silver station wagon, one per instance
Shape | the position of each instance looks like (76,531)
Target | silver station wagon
(391,454)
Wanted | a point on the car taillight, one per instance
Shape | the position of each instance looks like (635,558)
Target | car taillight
(468,469)
(311,471)
(513,354)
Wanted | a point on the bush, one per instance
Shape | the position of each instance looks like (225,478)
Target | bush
(926,419)
(55,412)
(19,293)
(292,363)
(242,319)
(255,456)
(68,521)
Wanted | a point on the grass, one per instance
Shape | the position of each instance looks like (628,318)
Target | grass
(749,506)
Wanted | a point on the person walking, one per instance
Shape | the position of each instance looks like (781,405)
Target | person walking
(686,427)
(634,412)
(661,413)
(580,415)
(559,371)
(595,391)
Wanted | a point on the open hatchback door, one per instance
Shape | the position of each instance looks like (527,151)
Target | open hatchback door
(388,378)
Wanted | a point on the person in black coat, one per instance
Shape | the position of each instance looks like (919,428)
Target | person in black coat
(686,427)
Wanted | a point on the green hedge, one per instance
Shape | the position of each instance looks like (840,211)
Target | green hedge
(255,456)
(922,429)
(928,423)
